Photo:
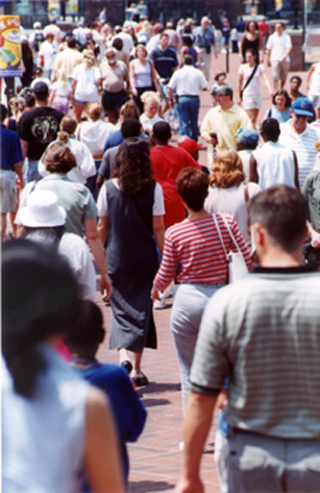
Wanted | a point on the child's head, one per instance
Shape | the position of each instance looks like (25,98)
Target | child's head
(38,72)
(84,338)
(151,103)
(220,77)
(187,41)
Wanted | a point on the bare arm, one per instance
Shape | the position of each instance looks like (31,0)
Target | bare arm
(296,171)
(309,76)
(196,427)
(240,81)
(158,231)
(103,228)
(18,169)
(51,97)
(154,76)
(131,78)
(98,253)
(24,147)
(100,181)
(261,48)
(253,176)
(102,456)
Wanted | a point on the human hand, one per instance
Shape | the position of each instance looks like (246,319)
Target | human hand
(105,285)
(189,486)
(222,399)
(155,294)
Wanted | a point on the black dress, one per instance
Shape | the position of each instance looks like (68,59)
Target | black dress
(254,45)
(132,263)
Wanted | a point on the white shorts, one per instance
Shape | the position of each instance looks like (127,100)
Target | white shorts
(8,190)
(253,102)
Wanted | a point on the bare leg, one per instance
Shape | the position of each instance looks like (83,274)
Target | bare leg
(123,355)
(112,116)
(253,115)
(78,109)
(318,113)
(136,364)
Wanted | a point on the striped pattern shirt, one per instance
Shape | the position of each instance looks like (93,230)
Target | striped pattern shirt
(197,247)
(263,333)
(303,144)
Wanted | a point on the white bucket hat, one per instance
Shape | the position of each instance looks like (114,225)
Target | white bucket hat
(42,210)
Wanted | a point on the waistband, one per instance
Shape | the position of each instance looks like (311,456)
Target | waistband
(187,96)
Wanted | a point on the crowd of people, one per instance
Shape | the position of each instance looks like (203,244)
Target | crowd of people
(96,191)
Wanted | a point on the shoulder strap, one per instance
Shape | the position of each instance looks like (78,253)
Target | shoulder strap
(220,236)
(231,235)
(250,78)
(270,113)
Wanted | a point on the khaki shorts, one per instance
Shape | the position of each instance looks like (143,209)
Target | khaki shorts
(280,70)
(8,190)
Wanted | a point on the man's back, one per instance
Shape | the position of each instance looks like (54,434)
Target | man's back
(269,327)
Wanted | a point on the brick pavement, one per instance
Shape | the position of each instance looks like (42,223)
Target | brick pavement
(155,459)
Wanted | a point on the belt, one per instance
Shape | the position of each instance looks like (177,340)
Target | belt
(187,96)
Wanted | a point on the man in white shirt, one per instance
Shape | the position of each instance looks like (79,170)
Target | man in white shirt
(298,135)
(278,50)
(47,55)
(188,82)
(69,58)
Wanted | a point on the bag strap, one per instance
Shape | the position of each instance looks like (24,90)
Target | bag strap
(220,236)
(250,78)
(231,235)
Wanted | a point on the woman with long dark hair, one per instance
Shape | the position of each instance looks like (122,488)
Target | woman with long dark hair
(54,424)
(131,213)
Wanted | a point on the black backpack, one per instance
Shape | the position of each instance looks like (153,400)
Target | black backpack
(38,39)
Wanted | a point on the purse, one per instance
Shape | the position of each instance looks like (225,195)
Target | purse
(237,268)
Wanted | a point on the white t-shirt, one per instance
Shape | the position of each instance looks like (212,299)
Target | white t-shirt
(253,88)
(102,203)
(48,51)
(147,123)
(95,134)
(60,89)
(278,46)
(232,201)
(188,80)
(87,79)
(315,81)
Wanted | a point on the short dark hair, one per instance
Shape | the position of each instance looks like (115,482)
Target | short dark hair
(130,128)
(192,186)
(88,331)
(117,43)
(270,129)
(283,211)
(296,77)
(188,60)
(284,93)
(71,42)
(3,112)
(162,131)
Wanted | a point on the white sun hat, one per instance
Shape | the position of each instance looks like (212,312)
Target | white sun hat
(42,210)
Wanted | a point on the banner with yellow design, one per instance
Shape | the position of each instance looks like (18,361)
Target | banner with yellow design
(10,46)
(277,5)
(72,7)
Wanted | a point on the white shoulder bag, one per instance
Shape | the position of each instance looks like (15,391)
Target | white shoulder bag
(237,268)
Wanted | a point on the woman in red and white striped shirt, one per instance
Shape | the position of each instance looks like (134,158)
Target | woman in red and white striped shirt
(194,245)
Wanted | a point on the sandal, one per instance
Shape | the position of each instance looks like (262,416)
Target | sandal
(141,380)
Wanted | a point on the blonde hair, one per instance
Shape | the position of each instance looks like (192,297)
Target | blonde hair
(227,170)
(138,47)
(149,97)
(17,105)
(129,110)
(95,111)
(88,59)
(62,77)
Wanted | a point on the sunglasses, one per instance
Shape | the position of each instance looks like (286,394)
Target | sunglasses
(301,116)
(110,57)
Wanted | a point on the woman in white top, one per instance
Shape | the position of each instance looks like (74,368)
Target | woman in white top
(249,90)
(313,86)
(84,160)
(142,75)
(150,116)
(86,83)
(55,425)
(227,191)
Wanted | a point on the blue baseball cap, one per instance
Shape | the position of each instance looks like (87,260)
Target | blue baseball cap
(302,106)
(247,135)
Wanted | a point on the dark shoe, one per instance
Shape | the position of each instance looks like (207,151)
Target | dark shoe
(127,366)
(141,380)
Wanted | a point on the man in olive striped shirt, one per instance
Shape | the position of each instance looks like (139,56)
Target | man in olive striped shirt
(263,334)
